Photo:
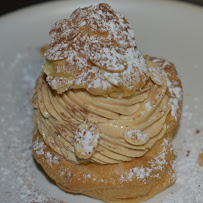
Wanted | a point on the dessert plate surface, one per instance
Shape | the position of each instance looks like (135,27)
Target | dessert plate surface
(168,29)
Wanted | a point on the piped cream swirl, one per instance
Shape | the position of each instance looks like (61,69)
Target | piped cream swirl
(128,127)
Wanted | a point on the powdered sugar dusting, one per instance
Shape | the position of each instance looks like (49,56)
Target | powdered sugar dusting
(142,173)
(148,105)
(189,175)
(86,139)
(136,136)
(159,161)
(175,91)
(18,170)
(100,37)
(51,159)
(38,147)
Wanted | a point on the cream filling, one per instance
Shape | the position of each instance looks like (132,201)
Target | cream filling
(58,117)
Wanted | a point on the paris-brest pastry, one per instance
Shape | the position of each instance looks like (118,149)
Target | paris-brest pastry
(104,114)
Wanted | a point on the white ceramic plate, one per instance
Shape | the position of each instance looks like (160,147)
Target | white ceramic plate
(167,29)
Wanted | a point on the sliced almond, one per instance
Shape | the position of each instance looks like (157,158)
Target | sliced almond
(106,57)
(64,29)
(113,78)
(86,140)
(201,158)
(156,77)
(155,73)
(136,137)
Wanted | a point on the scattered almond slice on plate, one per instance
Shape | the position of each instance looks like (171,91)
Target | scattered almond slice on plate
(201,158)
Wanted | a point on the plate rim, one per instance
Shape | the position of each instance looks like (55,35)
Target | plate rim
(22,11)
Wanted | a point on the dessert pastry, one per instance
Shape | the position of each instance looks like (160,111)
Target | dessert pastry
(105,115)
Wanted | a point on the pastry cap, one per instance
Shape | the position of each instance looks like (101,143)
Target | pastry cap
(95,49)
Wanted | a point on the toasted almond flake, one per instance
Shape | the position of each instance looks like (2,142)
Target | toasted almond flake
(102,38)
(201,158)
(136,137)
(86,140)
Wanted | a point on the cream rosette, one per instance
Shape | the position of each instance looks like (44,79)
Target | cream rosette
(83,127)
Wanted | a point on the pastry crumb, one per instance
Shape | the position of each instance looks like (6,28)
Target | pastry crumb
(197,131)
(188,153)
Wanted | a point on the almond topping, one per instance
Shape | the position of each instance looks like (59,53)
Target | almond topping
(136,137)
(86,140)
